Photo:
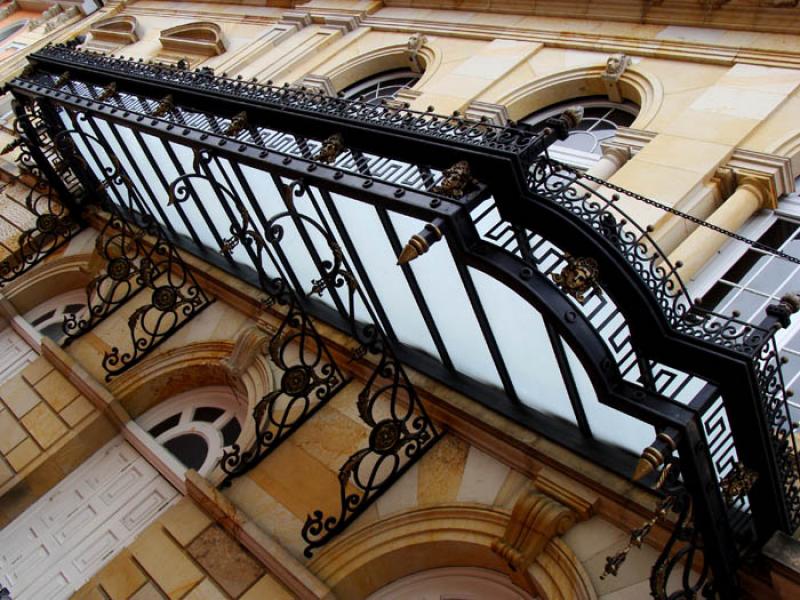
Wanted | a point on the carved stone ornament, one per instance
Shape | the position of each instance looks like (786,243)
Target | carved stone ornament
(615,66)
(415,44)
(737,482)
(456,180)
(535,521)
(250,342)
(579,276)
(330,149)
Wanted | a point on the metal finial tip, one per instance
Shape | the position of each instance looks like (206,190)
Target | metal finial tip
(643,468)
(408,254)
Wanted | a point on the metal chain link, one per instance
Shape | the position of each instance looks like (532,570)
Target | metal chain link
(688,217)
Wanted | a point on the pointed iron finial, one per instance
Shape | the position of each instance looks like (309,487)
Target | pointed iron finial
(420,243)
(652,457)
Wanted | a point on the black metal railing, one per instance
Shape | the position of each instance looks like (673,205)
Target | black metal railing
(312,198)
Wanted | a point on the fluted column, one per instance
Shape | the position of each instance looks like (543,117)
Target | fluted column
(694,252)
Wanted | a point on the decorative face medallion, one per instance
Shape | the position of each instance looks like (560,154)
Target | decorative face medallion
(578,277)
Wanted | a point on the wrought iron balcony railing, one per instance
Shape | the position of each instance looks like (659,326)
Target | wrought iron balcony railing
(518,282)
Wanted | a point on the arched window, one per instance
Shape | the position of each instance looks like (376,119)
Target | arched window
(7,32)
(601,119)
(48,317)
(195,426)
(383,86)
(463,583)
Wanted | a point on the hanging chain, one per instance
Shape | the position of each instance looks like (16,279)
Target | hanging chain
(688,217)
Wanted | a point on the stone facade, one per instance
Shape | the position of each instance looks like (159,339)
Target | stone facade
(717,135)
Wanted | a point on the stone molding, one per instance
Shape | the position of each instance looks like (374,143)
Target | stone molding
(349,564)
(297,18)
(201,38)
(113,32)
(343,23)
(641,87)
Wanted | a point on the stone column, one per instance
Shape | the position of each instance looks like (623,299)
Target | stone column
(611,162)
(614,157)
(695,251)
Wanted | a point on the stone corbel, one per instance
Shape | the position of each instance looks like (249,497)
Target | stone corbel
(615,67)
(250,342)
(415,44)
(535,521)
(496,114)
(318,83)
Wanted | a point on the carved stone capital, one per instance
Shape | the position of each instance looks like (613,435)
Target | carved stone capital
(535,520)
(320,83)
(496,114)
(761,187)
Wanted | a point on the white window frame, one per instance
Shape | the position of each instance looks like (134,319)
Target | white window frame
(733,250)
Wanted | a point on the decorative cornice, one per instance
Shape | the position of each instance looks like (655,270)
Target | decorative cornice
(705,52)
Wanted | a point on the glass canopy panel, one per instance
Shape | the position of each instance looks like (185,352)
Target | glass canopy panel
(366,232)
(607,424)
(526,348)
(443,289)
(317,204)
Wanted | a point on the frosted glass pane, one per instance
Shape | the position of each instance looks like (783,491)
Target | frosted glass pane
(269,203)
(607,424)
(523,341)
(387,278)
(128,169)
(448,302)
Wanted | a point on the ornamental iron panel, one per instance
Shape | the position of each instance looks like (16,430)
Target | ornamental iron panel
(56,220)
(220,162)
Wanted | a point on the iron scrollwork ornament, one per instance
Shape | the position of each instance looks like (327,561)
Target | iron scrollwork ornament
(397,438)
(53,223)
(136,256)
(310,378)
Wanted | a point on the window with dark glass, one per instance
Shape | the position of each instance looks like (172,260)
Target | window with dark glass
(383,86)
